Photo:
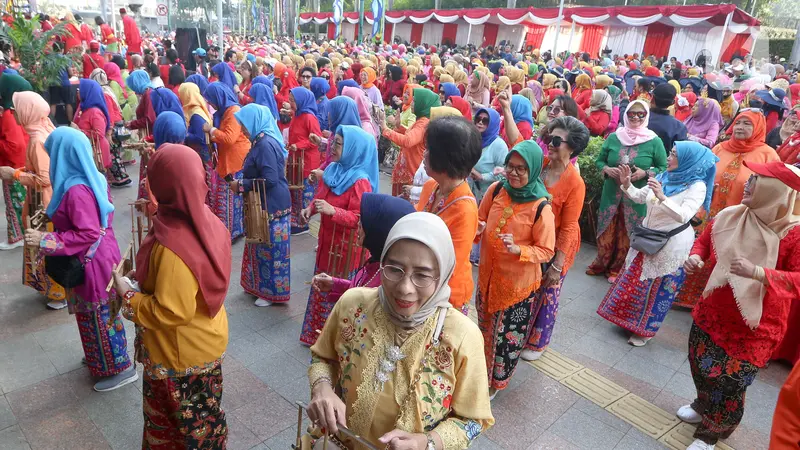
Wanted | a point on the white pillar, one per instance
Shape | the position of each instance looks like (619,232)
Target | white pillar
(724,34)
(114,19)
(558,30)
(523,31)
(469,33)
(571,33)
(391,39)
(220,32)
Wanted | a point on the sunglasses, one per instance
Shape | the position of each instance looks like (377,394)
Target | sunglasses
(482,120)
(555,141)
(553,109)
(636,114)
(305,76)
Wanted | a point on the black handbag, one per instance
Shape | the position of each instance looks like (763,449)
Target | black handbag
(70,271)
(649,241)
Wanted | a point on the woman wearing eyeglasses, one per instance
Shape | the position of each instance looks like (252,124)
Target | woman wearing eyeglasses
(395,351)
(745,145)
(517,234)
(639,148)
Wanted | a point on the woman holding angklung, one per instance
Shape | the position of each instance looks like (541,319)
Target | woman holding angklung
(353,172)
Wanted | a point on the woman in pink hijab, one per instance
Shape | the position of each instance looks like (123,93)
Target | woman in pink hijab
(364,106)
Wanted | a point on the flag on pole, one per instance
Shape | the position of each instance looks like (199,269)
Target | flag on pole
(377,18)
(337,17)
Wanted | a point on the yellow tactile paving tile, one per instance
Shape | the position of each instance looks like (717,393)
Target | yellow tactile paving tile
(643,415)
(680,436)
(594,387)
(554,365)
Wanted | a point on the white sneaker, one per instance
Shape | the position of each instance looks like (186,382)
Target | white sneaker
(7,246)
(638,341)
(700,445)
(530,355)
(687,414)
(57,304)
(492,393)
(262,302)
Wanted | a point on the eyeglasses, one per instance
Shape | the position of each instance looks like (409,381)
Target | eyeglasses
(326,76)
(481,120)
(553,109)
(519,170)
(306,76)
(396,274)
(555,141)
(636,114)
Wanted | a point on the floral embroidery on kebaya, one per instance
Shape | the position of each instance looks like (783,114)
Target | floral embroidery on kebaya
(352,333)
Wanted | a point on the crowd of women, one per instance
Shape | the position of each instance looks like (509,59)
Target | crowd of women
(484,153)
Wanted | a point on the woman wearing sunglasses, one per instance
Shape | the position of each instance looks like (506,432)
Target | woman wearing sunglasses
(745,145)
(493,153)
(640,149)
(569,138)
(517,234)
(408,330)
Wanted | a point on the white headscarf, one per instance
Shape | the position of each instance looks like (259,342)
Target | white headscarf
(430,230)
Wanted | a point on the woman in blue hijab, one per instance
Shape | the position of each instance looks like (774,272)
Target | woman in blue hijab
(225,75)
(341,111)
(346,83)
(163,100)
(352,173)
(487,120)
(82,215)
(262,95)
(139,81)
(199,80)
(93,119)
(265,267)
(320,87)
(170,128)
(447,90)
(220,98)
(301,147)
(643,293)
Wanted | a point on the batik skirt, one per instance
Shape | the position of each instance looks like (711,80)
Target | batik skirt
(265,267)
(721,382)
(116,174)
(505,334)
(14,196)
(34,275)
(229,207)
(545,319)
(640,306)
(692,289)
(213,181)
(105,348)
(613,243)
(184,412)
(300,201)
(317,312)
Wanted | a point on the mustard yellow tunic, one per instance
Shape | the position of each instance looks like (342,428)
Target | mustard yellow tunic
(452,396)
(174,335)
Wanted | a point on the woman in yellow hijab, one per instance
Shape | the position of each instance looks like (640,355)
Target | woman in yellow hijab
(517,78)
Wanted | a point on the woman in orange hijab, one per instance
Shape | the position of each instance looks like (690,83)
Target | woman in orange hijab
(746,145)
(368,77)
(583,91)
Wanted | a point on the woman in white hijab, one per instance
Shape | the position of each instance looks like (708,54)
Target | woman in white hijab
(403,347)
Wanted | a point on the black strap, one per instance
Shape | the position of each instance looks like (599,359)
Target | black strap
(679,229)
(539,209)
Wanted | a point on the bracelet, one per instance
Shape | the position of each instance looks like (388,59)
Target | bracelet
(320,380)
(17,173)
(759,274)
(558,269)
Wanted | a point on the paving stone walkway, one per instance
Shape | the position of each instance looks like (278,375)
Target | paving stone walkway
(47,401)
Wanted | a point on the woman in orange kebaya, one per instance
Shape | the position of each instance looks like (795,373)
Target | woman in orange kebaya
(454,147)
(517,230)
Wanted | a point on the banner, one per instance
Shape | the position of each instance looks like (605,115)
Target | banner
(377,18)
(337,17)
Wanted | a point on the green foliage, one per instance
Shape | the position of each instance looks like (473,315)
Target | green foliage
(40,65)
(591,176)
(781,47)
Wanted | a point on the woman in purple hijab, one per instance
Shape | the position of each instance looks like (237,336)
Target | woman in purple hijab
(704,124)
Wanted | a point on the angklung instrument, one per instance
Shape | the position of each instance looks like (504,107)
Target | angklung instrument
(345,253)
(256,216)
(36,220)
(307,442)
(97,152)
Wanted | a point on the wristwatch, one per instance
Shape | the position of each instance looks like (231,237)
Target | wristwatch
(431,443)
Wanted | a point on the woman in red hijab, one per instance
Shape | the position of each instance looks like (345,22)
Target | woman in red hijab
(684,102)
(183,269)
